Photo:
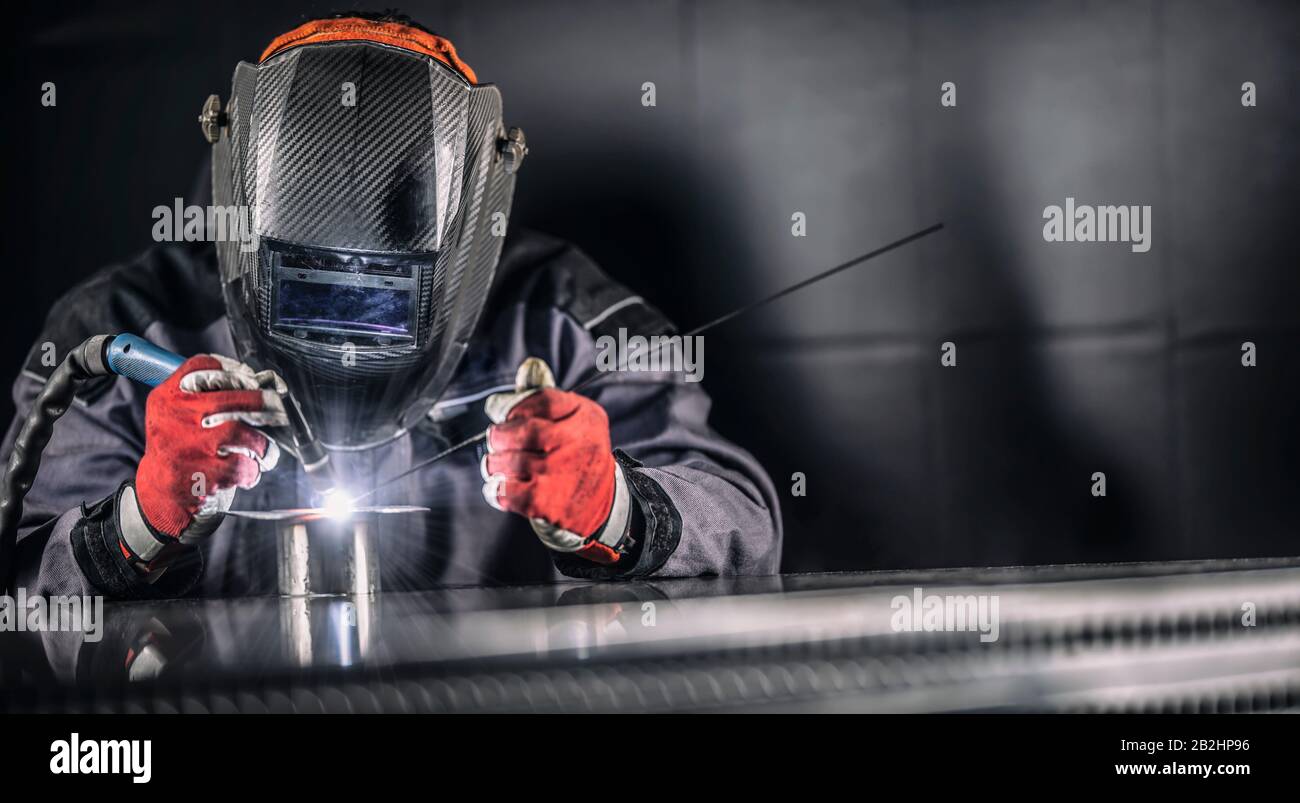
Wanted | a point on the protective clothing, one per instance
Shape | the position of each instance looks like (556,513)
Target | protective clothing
(377,279)
(377,178)
(200,446)
(549,459)
(705,505)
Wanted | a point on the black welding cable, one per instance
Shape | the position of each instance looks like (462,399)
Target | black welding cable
(84,362)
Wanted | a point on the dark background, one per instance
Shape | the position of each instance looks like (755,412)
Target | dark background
(1071,358)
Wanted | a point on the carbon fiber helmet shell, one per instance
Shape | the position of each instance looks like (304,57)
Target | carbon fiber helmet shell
(371,179)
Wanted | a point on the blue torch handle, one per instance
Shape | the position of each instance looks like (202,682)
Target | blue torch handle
(136,358)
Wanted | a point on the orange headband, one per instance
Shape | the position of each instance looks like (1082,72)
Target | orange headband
(354,29)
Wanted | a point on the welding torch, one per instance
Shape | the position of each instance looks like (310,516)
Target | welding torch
(135,358)
(138,359)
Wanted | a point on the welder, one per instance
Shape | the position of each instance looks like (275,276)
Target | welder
(383,285)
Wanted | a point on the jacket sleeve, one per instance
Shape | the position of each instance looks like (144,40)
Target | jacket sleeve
(68,538)
(706,505)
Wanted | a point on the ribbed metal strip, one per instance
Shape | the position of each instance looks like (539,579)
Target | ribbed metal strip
(826,676)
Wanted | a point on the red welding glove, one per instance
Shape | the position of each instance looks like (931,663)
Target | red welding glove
(200,446)
(549,459)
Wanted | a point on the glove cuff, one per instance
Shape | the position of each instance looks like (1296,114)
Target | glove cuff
(139,540)
(99,549)
(612,541)
(656,525)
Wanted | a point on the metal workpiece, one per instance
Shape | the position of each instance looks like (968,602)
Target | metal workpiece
(327,556)
(328,582)
(328,630)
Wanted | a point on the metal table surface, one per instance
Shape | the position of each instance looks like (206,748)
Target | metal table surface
(1186,636)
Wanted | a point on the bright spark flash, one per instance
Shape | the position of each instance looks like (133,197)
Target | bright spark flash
(337,504)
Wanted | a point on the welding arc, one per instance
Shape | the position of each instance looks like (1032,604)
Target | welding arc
(843,266)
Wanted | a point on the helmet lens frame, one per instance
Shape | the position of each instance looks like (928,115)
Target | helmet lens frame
(335,297)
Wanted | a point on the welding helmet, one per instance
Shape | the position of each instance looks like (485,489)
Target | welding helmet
(372,176)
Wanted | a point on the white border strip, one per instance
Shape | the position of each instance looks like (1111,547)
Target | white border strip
(627,302)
